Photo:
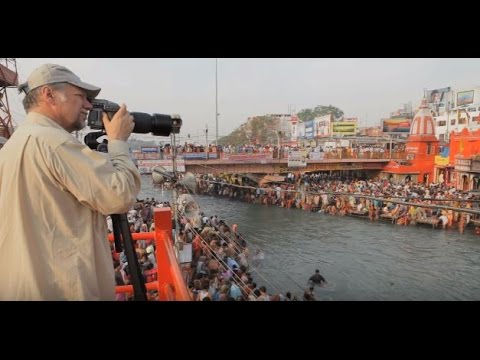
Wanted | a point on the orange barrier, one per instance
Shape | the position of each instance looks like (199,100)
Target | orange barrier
(170,283)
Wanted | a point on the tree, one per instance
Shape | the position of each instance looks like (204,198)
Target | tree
(306,114)
(320,110)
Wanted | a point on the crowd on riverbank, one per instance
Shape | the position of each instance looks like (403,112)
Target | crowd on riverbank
(409,203)
(221,267)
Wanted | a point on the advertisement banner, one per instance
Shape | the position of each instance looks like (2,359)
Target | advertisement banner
(309,129)
(250,158)
(199,156)
(441,161)
(344,128)
(316,155)
(437,96)
(396,125)
(150,149)
(297,159)
(322,125)
(465,98)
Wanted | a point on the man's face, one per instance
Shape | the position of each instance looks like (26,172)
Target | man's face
(71,107)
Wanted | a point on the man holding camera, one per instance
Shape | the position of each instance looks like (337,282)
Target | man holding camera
(55,194)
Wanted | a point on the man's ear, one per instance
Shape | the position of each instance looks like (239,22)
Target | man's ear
(47,94)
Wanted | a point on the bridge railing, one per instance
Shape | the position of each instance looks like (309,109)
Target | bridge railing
(327,155)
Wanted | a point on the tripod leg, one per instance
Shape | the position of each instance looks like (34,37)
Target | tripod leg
(120,222)
(117,234)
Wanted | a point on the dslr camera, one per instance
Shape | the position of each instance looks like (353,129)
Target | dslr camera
(157,124)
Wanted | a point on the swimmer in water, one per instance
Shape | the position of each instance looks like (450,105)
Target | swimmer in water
(317,279)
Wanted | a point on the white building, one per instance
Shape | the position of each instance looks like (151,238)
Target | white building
(458,110)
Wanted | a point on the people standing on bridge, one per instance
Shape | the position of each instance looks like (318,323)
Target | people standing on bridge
(58,193)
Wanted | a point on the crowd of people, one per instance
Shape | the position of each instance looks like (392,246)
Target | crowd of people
(59,192)
(221,267)
(327,150)
(407,203)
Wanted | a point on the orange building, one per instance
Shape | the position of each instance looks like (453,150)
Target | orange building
(421,148)
(464,150)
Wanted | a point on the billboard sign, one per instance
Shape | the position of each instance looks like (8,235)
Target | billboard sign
(396,125)
(316,155)
(150,149)
(250,158)
(344,128)
(297,159)
(465,97)
(309,129)
(437,97)
(322,124)
(199,156)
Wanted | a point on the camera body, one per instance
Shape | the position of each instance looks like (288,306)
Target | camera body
(157,124)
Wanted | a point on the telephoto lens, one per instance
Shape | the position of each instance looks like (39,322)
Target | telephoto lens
(157,124)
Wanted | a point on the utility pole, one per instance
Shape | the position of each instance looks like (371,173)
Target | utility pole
(216,103)
(447,109)
(206,142)
(391,144)
(279,138)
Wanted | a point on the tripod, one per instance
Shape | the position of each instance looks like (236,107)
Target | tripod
(121,232)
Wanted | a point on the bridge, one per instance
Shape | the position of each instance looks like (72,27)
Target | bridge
(257,164)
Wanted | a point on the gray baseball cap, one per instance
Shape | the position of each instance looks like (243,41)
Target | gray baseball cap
(52,73)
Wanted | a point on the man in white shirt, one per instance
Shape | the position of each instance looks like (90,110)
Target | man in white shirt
(58,193)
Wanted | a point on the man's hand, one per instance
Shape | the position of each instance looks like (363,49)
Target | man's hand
(121,125)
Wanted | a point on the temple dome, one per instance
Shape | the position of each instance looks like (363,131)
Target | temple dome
(423,123)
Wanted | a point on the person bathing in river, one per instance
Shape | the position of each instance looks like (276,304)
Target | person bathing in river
(317,279)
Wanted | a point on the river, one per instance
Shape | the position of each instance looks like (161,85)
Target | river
(361,260)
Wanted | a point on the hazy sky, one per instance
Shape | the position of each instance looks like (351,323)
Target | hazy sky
(365,88)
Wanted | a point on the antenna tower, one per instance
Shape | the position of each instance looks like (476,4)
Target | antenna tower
(8,79)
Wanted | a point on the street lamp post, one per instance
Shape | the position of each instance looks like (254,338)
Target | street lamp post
(391,145)
(279,144)
(447,110)
(206,142)
(206,147)
(216,103)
